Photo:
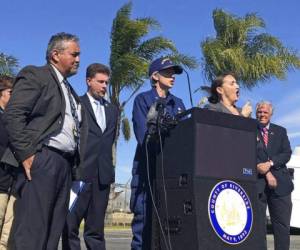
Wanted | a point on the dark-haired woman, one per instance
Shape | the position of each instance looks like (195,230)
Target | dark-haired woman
(225,92)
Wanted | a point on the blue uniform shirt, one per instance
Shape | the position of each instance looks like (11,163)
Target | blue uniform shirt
(141,106)
(140,199)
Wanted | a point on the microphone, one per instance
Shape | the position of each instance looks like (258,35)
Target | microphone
(155,109)
(152,114)
(155,112)
(160,106)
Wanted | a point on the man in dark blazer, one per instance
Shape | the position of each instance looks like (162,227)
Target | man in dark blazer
(275,184)
(47,130)
(92,201)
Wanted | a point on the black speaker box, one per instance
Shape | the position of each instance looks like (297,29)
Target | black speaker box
(187,221)
(203,150)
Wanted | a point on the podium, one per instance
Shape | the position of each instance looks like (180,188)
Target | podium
(205,185)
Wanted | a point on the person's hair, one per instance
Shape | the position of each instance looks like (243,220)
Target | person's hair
(153,81)
(6,82)
(57,42)
(263,102)
(218,82)
(95,68)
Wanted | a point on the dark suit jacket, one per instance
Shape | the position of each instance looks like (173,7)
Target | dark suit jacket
(36,110)
(3,137)
(279,151)
(98,155)
(5,180)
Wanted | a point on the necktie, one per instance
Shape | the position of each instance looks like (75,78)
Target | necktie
(100,115)
(76,130)
(265,135)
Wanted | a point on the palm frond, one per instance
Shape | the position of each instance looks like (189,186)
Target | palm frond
(8,65)
(131,53)
(150,48)
(126,129)
(241,46)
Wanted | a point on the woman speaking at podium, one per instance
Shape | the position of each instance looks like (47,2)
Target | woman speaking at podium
(225,92)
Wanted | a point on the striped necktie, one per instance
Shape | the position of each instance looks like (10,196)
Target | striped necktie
(265,135)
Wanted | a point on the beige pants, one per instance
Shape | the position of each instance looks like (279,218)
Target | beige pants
(3,205)
(6,218)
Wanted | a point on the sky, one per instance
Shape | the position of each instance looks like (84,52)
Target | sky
(28,25)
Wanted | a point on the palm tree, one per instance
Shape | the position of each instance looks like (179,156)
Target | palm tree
(130,56)
(8,65)
(240,47)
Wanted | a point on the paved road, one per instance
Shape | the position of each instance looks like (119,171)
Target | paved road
(120,240)
(295,242)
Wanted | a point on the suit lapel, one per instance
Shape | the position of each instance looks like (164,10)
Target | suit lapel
(107,115)
(56,81)
(86,101)
(53,74)
(271,134)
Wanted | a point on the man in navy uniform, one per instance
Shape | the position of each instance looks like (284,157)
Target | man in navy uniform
(161,73)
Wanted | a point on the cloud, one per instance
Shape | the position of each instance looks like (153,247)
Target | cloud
(291,119)
(290,100)
(294,135)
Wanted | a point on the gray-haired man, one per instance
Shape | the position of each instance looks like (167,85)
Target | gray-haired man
(46,128)
(275,185)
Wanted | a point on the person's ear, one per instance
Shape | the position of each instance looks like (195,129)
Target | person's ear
(155,76)
(220,90)
(55,56)
(88,81)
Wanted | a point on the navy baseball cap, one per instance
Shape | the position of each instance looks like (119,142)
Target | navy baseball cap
(164,63)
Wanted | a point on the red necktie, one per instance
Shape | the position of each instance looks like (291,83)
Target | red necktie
(265,135)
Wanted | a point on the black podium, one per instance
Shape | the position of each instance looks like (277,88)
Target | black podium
(205,185)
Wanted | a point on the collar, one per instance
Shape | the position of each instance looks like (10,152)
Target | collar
(58,74)
(93,100)
(267,126)
(169,98)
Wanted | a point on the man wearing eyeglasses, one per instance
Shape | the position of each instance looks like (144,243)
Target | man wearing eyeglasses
(162,76)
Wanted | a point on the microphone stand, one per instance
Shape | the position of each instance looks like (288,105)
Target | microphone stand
(189,85)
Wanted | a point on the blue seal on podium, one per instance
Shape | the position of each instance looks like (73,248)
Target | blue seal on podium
(230,212)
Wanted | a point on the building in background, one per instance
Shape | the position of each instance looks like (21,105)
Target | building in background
(118,212)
